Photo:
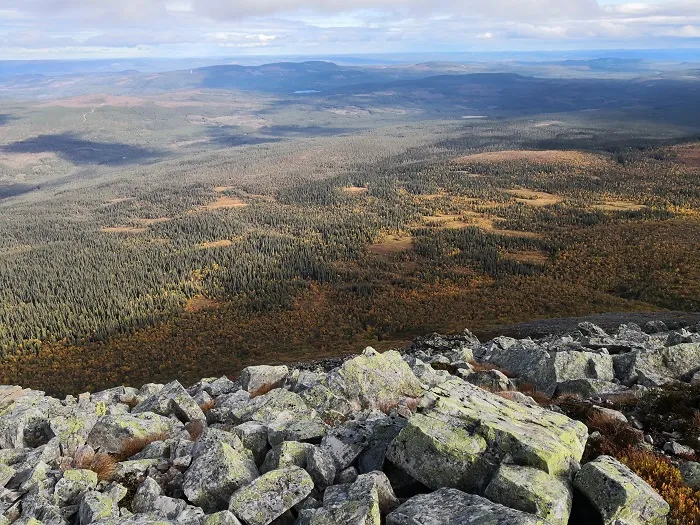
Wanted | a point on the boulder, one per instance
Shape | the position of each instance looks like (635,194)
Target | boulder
(71,487)
(545,370)
(216,472)
(253,435)
(224,517)
(671,362)
(149,498)
(286,416)
(271,495)
(491,380)
(261,379)
(690,471)
(619,494)
(172,399)
(95,506)
(459,440)
(375,381)
(111,431)
(452,507)
(532,491)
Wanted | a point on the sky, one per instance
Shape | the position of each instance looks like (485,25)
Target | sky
(62,29)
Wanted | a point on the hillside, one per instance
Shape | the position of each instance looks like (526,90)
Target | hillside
(585,427)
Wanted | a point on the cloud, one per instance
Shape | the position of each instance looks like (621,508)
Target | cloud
(196,27)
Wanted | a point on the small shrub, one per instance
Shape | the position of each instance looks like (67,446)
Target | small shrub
(667,480)
(617,435)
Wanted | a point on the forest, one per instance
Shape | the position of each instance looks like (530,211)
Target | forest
(190,250)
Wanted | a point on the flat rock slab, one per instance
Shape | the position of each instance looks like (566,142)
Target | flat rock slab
(453,507)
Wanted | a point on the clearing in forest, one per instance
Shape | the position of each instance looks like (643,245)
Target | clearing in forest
(355,190)
(690,154)
(226,202)
(216,244)
(148,222)
(528,257)
(392,244)
(123,229)
(618,206)
(535,198)
(451,222)
(199,303)
(576,158)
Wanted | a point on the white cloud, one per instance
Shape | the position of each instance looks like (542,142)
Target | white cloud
(336,26)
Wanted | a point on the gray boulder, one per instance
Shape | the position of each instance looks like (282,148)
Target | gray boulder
(271,495)
(459,440)
(671,362)
(690,471)
(619,494)
(173,399)
(546,370)
(95,506)
(111,431)
(215,473)
(452,507)
(375,381)
(532,491)
(261,379)
(71,487)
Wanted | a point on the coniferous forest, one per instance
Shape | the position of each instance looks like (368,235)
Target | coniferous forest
(190,238)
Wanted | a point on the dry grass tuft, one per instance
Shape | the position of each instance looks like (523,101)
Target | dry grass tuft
(617,436)
(485,367)
(540,397)
(195,429)
(132,446)
(104,465)
(207,405)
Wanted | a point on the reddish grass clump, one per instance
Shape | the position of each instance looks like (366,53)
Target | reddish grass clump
(132,446)
(485,367)
(668,481)
(617,436)
(100,463)
(207,405)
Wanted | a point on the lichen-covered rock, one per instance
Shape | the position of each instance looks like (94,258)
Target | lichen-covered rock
(691,474)
(95,506)
(172,399)
(111,431)
(546,370)
(149,498)
(532,491)
(73,485)
(380,432)
(216,473)
(6,474)
(375,381)
(361,502)
(452,507)
(261,379)
(589,388)
(459,440)
(287,454)
(285,414)
(670,362)
(253,435)
(619,494)
(224,517)
(271,495)
(25,416)
(491,380)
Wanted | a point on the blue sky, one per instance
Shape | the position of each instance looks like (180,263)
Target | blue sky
(44,29)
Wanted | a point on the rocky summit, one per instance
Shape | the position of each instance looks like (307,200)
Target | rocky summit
(448,431)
